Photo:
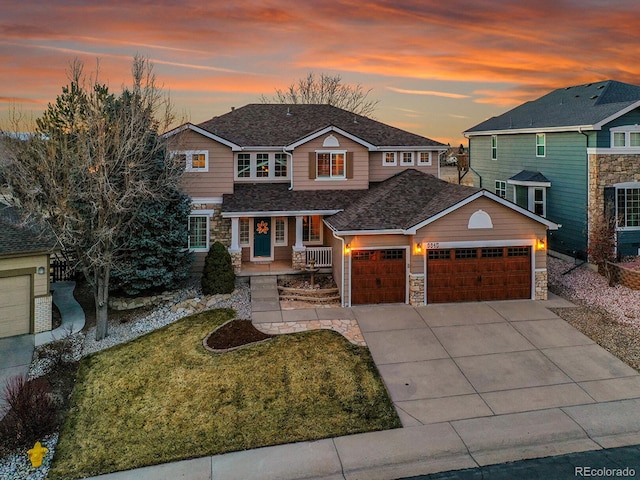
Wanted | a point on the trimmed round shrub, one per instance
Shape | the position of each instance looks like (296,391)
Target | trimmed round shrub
(218,275)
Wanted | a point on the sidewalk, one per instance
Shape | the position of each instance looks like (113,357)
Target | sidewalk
(73,317)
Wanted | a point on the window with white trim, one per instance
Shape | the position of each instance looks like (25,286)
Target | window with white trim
(312,229)
(501,188)
(194,160)
(243,165)
(628,207)
(627,136)
(389,159)
(244,227)
(538,200)
(280,165)
(494,147)
(280,236)
(406,158)
(262,165)
(541,146)
(424,158)
(330,165)
(198,233)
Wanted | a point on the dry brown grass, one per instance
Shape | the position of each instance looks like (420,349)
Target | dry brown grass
(163,397)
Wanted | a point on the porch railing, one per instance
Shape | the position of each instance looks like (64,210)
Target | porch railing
(322,256)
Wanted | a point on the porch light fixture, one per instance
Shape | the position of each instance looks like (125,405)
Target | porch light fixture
(347,248)
(540,244)
(40,270)
(418,247)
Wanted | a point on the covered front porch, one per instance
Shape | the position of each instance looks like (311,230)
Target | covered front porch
(285,267)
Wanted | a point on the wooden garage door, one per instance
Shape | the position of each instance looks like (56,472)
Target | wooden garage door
(378,276)
(478,274)
(15,305)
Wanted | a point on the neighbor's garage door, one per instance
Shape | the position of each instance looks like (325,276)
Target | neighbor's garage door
(478,274)
(15,310)
(378,276)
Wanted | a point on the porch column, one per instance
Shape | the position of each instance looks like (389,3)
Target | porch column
(235,235)
(298,256)
(234,249)
(299,245)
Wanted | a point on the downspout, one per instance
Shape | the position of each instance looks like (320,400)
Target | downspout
(290,163)
(342,255)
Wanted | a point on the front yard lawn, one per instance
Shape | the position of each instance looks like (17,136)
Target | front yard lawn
(163,397)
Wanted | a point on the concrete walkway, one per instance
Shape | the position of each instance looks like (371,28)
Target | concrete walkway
(71,313)
(475,385)
(16,354)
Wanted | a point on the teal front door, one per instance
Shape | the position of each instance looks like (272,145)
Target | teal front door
(262,237)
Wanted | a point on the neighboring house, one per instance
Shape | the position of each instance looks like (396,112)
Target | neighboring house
(293,183)
(570,156)
(25,300)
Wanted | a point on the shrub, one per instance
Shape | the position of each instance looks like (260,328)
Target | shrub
(218,275)
(602,245)
(30,412)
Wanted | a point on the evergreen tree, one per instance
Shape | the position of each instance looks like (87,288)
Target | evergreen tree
(218,275)
(154,257)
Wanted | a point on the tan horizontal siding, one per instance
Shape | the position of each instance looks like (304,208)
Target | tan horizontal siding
(219,179)
(301,180)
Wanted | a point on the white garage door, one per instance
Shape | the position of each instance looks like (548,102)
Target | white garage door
(15,305)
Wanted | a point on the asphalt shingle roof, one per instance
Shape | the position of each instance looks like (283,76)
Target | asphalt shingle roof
(400,202)
(17,239)
(280,124)
(529,176)
(580,105)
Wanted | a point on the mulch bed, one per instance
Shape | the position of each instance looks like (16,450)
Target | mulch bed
(235,334)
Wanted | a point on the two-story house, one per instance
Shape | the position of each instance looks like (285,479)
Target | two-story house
(288,184)
(570,156)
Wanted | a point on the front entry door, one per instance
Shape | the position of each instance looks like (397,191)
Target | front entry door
(262,237)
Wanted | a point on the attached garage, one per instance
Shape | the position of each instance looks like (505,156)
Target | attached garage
(478,274)
(378,276)
(15,305)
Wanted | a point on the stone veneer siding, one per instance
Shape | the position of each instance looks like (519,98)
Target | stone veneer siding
(605,170)
(236,261)
(541,284)
(298,259)
(42,314)
(219,228)
(416,290)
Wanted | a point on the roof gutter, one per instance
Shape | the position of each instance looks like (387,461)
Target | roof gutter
(284,150)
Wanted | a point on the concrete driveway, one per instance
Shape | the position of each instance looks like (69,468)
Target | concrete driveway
(512,378)
(16,354)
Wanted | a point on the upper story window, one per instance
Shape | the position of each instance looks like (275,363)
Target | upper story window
(501,188)
(262,166)
(389,158)
(540,145)
(194,160)
(627,136)
(494,147)
(280,165)
(330,165)
(406,158)
(628,207)
(424,158)
(244,165)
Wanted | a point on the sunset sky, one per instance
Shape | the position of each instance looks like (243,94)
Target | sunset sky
(437,67)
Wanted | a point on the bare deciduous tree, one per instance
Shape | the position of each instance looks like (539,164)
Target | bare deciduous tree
(327,89)
(94,160)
